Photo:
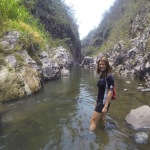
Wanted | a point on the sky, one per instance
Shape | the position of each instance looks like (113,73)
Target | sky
(88,13)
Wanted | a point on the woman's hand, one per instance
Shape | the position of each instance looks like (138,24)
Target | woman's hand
(95,103)
(104,110)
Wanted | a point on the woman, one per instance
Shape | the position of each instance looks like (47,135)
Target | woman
(105,91)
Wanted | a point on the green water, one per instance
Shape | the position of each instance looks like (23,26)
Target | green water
(57,118)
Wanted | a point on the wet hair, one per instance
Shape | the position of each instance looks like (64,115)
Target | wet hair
(108,67)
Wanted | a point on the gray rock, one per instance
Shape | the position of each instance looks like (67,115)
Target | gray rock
(128,82)
(15,85)
(29,60)
(139,118)
(10,40)
(49,68)
(141,138)
(146,90)
(5,44)
(88,62)
(62,57)
(43,55)
(65,72)
(11,60)
(140,88)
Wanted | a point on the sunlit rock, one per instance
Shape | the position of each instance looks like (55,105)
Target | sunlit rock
(139,118)
(28,59)
(128,82)
(146,90)
(62,57)
(10,40)
(11,60)
(11,86)
(65,72)
(140,88)
(50,69)
(31,79)
(14,85)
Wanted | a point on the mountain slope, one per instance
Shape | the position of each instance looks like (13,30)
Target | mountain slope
(115,26)
(124,37)
(59,21)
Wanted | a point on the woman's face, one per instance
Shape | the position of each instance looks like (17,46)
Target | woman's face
(102,66)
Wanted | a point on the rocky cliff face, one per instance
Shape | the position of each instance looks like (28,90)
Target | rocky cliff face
(132,57)
(59,22)
(135,60)
(26,60)
(21,74)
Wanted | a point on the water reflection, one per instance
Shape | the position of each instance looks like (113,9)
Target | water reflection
(57,118)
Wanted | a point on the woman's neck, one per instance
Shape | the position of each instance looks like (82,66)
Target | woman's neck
(103,74)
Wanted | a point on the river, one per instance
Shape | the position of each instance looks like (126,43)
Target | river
(58,116)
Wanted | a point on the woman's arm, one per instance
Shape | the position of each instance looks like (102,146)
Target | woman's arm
(108,99)
(110,84)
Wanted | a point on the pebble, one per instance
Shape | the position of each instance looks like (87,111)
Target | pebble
(128,82)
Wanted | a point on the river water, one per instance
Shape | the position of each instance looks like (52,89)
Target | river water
(58,116)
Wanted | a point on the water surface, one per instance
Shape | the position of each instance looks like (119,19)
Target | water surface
(57,118)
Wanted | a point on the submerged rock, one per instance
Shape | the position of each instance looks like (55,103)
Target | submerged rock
(141,138)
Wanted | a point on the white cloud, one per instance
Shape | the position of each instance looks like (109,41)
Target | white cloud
(89,13)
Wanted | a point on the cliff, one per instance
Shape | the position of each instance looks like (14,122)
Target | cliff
(59,21)
(123,36)
(39,41)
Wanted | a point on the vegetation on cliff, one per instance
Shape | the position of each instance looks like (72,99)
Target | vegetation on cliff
(58,20)
(40,22)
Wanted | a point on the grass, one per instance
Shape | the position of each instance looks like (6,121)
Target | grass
(15,16)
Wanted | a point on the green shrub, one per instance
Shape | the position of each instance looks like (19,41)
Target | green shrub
(13,9)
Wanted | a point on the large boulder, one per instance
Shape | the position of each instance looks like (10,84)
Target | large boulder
(11,86)
(62,57)
(50,69)
(31,79)
(14,85)
(21,72)
(139,118)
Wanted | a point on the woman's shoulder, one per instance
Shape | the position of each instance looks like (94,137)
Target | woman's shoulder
(110,76)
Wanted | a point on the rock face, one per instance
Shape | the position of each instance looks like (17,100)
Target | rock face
(136,60)
(49,68)
(59,23)
(21,75)
(10,40)
(139,118)
(88,62)
(131,56)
